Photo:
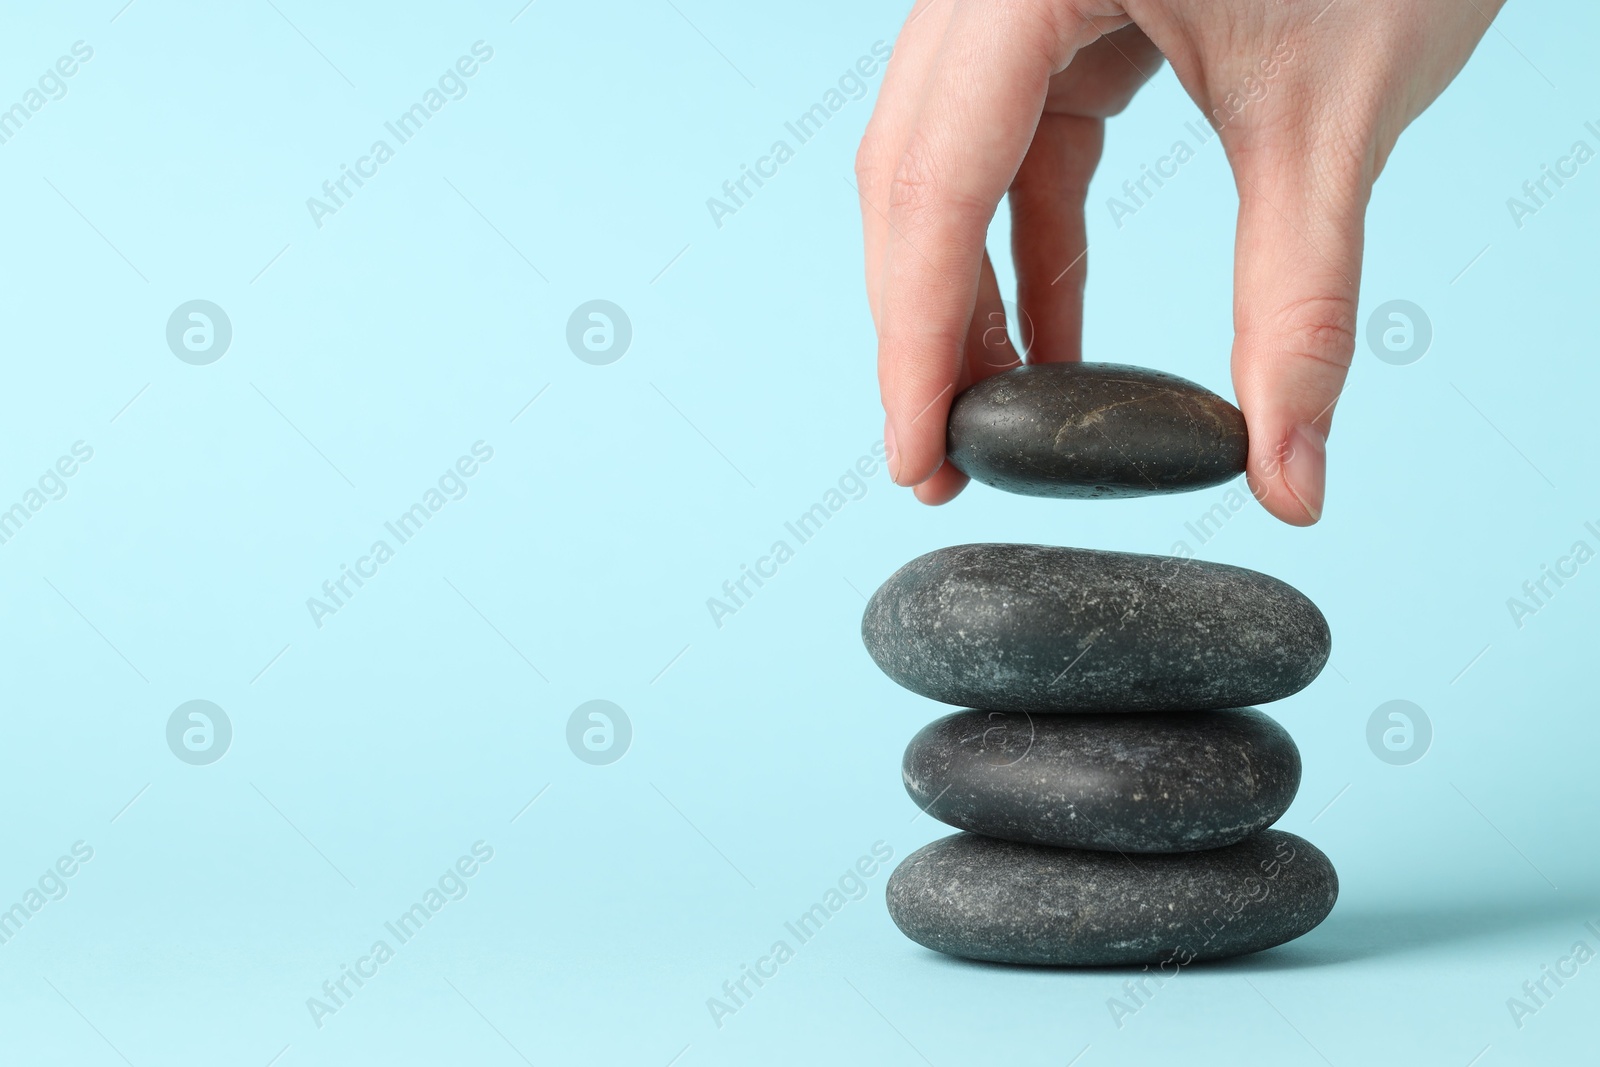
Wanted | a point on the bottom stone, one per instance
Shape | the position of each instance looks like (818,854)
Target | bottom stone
(987,899)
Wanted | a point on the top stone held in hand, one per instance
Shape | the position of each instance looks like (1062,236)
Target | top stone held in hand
(1095,430)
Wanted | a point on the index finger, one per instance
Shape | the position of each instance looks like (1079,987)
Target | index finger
(976,121)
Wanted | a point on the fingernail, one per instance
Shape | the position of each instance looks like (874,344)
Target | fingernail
(1305,468)
(891,452)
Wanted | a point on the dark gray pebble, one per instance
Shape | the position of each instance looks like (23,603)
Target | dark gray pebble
(1091,430)
(1036,628)
(984,899)
(1153,782)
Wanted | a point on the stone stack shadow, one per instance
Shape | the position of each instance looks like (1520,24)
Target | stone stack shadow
(1112,780)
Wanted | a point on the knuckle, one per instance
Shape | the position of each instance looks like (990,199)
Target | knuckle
(1321,329)
(921,189)
(915,183)
(1347,157)
(869,159)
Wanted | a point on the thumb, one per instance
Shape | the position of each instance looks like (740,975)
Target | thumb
(1296,272)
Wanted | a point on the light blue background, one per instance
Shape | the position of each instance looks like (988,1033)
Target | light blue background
(370,753)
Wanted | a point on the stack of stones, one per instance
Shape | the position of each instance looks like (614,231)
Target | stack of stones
(1113,782)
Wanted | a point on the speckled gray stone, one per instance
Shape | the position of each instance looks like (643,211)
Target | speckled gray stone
(1093,430)
(985,899)
(1151,782)
(1036,628)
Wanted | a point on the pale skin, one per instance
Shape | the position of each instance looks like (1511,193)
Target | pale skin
(987,100)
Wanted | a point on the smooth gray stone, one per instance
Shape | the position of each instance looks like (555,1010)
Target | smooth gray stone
(1095,430)
(1151,782)
(1037,628)
(984,899)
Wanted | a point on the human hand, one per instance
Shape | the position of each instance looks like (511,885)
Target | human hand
(985,99)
